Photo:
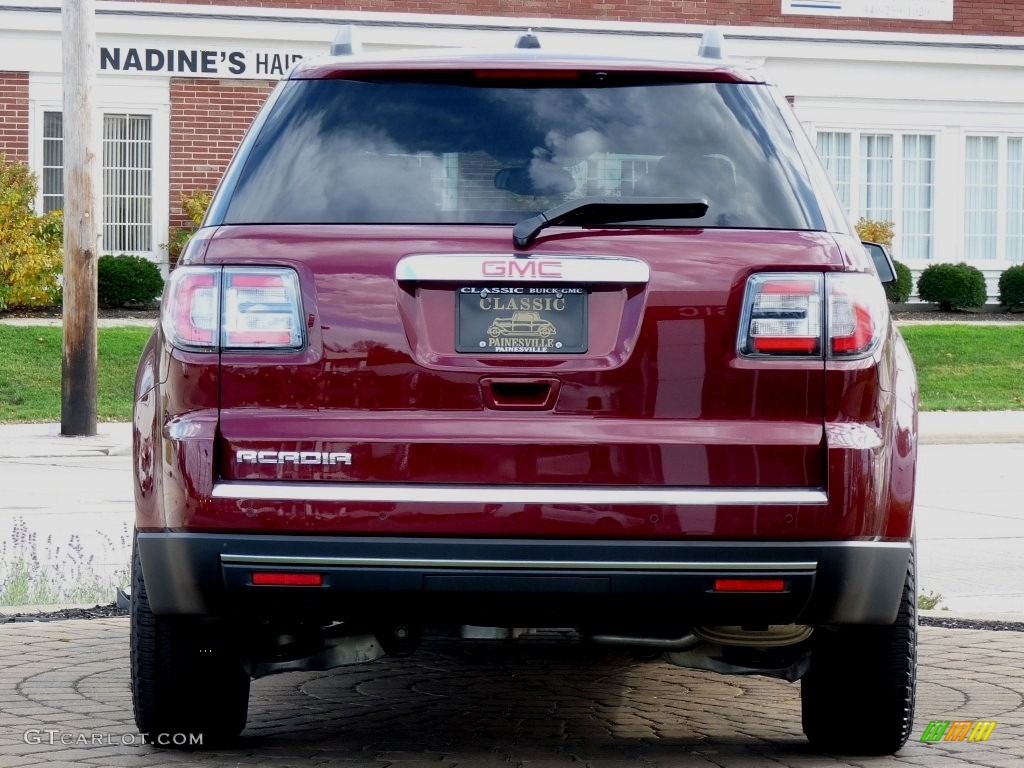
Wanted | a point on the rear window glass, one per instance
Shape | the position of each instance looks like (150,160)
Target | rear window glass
(394,151)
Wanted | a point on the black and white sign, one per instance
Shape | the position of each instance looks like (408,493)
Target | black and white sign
(198,62)
(521,319)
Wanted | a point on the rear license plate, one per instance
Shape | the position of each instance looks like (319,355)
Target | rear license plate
(521,320)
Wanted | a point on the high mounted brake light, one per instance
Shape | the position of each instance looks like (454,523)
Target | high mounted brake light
(209,309)
(838,315)
(526,74)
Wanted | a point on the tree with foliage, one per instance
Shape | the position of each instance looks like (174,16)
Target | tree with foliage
(873,231)
(194,206)
(31,246)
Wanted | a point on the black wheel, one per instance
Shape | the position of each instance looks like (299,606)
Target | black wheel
(858,695)
(188,689)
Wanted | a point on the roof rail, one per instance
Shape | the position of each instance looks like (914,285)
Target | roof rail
(712,44)
(345,42)
(529,40)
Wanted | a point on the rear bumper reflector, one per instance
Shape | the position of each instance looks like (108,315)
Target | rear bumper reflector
(503,494)
(750,585)
(286,579)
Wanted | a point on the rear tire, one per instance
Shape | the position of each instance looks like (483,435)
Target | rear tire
(188,688)
(858,695)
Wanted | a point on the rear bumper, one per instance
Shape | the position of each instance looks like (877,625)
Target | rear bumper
(506,582)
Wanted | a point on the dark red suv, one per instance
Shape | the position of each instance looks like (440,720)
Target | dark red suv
(473,343)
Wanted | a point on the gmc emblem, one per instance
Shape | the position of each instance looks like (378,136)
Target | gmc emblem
(528,268)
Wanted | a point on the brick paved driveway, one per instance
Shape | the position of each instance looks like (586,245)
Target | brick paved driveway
(542,704)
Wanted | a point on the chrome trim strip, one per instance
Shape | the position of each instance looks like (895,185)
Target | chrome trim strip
(503,494)
(512,268)
(523,565)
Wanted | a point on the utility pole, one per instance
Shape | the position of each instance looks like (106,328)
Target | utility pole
(81,222)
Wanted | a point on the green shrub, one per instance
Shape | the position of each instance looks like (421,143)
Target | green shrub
(1011,287)
(899,291)
(31,247)
(127,280)
(952,286)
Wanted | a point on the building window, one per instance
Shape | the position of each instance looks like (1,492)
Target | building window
(53,161)
(127,183)
(981,199)
(886,177)
(834,149)
(918,197)
(127,201)
(1015,200)
(994,198)
(613,173)
(876,176)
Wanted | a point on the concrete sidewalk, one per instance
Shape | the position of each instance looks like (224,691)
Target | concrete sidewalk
(115,439)
(44,441)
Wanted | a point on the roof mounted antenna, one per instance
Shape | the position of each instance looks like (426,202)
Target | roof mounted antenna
(712,44)
(345,42)
(529,40)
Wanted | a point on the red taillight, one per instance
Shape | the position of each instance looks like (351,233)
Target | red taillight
(286,579)
(859,334)
(783,315)
(856,313)
(260,308)
(190,307)
(791,286)
(213,308)
(249,280)
(791,314)
(782,345)
(750,585)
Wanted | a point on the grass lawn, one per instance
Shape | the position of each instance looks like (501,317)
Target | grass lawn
(30,362)
(962,367)
(968,367)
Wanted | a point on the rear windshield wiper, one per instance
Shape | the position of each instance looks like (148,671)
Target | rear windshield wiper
(608,210)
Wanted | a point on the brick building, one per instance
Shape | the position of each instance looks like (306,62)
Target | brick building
(916,106)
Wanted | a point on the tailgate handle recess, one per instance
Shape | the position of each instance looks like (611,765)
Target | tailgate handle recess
(519,394)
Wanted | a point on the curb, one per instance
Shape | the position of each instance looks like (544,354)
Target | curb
(56,322)
(970,427)
(44,441)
